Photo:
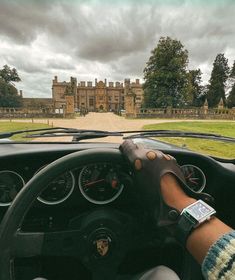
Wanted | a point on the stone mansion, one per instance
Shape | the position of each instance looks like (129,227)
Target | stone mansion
(100,96)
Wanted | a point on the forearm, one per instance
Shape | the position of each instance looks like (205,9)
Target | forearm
(206,234)
(201,239)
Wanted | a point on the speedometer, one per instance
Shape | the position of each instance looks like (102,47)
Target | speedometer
(194,176)
(58,190)
(100,183)
(10,184)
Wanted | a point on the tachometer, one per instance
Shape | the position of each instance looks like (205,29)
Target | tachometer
(194,176)
(58,190)
(10,184)
(99,183)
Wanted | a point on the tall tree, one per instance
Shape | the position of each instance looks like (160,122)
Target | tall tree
(9,75)
(194,89)
(165,74)
(219,75)
(8,93)
(232,72)
(231,97)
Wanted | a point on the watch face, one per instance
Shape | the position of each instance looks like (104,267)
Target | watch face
(200,210)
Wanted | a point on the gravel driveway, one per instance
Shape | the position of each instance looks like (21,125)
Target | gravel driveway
(101,121)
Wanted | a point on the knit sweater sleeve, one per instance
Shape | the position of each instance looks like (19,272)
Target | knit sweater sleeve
(219,262)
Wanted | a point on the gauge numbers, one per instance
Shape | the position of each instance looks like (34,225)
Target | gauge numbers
(58,190)
(10,184)
(194,176)
(100,183)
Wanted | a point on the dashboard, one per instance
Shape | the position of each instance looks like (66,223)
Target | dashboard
(102,201)
(102,184)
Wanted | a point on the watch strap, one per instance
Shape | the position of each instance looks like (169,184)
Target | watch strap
(184,228)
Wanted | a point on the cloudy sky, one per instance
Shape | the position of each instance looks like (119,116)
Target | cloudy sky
(107,39)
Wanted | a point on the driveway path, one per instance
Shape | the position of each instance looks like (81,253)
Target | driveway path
(102,121)
(105,121)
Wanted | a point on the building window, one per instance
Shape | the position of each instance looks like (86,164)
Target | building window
(91,102)
(100,98)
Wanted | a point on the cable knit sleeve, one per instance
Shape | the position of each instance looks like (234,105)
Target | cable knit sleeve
(219,262)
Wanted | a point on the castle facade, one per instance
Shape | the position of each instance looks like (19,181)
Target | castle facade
(100,96)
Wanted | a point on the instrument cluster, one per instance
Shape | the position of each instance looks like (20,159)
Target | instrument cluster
(100,183)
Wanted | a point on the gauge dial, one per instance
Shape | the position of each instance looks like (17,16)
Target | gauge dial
(99,183)
(194,176)
(58,190)
(10,184)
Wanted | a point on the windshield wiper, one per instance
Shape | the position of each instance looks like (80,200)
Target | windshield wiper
(78,134)
(82,134)
(12,133)
(178,133)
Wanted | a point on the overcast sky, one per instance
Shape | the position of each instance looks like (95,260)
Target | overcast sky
(107,39)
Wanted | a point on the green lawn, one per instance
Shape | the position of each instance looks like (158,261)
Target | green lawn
(214,148)
(13,126)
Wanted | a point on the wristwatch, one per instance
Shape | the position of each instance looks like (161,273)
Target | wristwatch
(191,217)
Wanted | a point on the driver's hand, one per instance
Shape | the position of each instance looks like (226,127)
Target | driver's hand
(158,178)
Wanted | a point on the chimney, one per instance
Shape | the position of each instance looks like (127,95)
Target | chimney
(95,81)
(137,81)
(127,81)
(21,93)
(55,79)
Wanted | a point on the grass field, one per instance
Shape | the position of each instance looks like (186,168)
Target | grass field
(214,148)
(13,126)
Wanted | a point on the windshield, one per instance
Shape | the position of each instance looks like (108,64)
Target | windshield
(118,66)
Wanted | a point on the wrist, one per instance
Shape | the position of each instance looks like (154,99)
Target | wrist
(173,194)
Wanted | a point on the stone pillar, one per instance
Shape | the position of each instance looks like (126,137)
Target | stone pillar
(169,111)
(205,107)
(69,105)
(221,104)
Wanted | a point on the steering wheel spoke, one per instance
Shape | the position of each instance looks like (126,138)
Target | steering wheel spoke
(27,244)
(61,243)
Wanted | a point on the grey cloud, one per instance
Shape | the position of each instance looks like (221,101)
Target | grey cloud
(92,38)
(35,85)
(59,64)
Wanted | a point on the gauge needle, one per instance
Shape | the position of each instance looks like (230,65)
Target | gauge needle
(93,182)
(189,175)
(193,180)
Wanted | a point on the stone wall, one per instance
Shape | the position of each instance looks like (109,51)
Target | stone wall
(191,113)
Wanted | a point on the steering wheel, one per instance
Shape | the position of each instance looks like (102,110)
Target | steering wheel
(108,228)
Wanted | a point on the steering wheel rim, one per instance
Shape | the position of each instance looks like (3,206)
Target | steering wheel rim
(25,198)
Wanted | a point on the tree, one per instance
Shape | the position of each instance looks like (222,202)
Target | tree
(194,89)
(219,75)
(232,72)
(8,93)
(165,74)
(9,75)
(231,97)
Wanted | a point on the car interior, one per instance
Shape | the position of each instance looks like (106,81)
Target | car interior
(78,215)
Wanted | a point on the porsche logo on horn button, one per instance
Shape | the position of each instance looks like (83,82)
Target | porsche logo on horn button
(102,246)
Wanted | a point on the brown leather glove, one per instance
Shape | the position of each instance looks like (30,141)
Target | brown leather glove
(149,166)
